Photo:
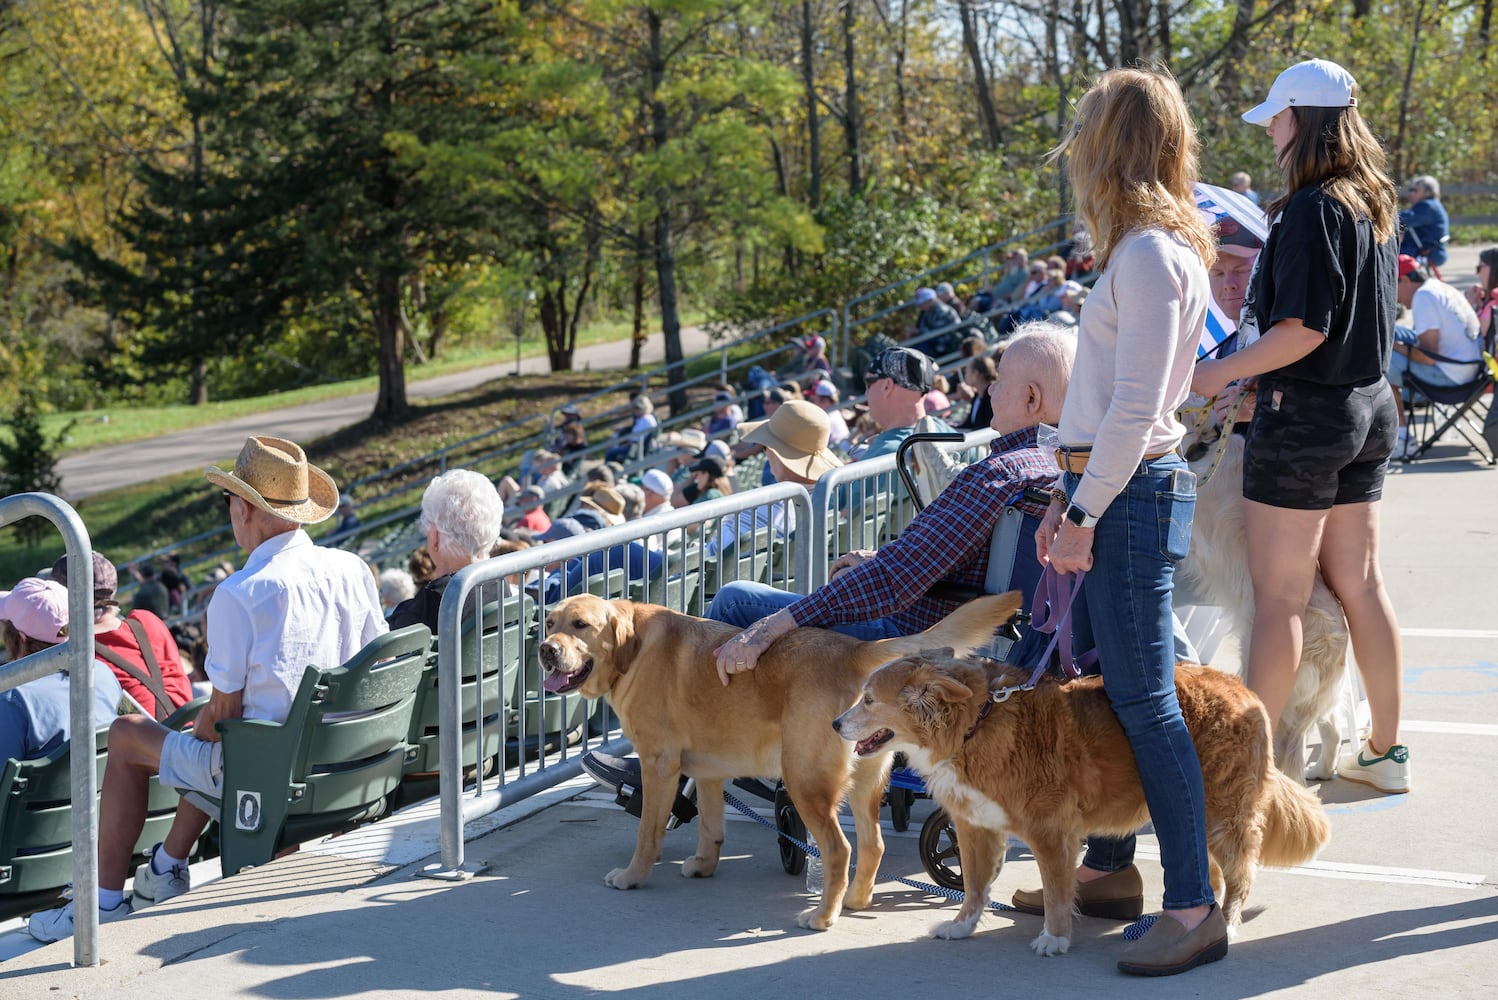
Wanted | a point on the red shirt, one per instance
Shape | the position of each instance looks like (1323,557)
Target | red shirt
(121,642)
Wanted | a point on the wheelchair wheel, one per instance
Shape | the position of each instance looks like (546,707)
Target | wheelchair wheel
(939,851)
(900,801)
(788,821)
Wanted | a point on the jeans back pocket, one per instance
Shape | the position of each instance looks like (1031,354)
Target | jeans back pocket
(1175,505)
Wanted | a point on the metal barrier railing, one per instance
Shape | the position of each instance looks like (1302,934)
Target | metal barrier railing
(588,562)
(75,654)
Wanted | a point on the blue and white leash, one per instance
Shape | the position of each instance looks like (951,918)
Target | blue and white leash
(1133,932)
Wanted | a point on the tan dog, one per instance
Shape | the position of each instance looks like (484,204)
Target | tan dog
(657,669)
(1218,561)
(1053,765)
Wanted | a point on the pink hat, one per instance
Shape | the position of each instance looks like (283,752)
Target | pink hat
(38,609)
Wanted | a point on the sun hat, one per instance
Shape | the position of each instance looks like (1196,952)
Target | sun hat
(106,578)
(1315,83)
(38,609)
(797,433)
(657,482)
(908,369)
(608,502)
(1231,234)
(641,404)
(274,475)
(689,437)
(924,295)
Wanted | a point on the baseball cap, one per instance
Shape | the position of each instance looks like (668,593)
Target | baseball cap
(924,295)
(1407,264)
(723,397)
(825,389)
(1315,83)
(38,609)
(945,288)
(657,482)
(709,464)
(718,449)
(106,579)
(814,343)
(908,369)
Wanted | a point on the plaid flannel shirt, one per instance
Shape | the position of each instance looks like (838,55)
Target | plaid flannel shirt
(948,541)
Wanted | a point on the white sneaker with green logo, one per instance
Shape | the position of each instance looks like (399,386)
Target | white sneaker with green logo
(1389,772)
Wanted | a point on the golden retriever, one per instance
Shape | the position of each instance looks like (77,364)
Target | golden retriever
(656,668)
(1053,765)
(1218,563)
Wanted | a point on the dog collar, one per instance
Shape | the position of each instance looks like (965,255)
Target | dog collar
(988,704)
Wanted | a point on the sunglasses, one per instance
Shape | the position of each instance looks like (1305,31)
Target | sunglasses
(228,497)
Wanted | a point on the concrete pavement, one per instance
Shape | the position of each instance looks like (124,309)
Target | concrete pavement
(1403,902)
(90,472)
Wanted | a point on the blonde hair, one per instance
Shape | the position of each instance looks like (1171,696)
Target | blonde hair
(1132,160)
(1334,150)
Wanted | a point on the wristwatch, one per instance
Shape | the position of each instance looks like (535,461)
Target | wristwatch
(1076,515)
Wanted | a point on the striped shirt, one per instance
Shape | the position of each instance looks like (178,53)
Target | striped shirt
(947,542)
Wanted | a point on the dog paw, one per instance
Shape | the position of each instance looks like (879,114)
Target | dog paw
(858,899)
(621,878)
(699,867)
(815,920)
(1322,770)
(1048,945)
(954,930)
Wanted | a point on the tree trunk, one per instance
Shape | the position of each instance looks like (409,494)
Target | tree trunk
(1397,147)
(1128,31)
(390,325)
(988,118)
(198,382)
(1236,48)
(1162,32)
(637,333)
(665,253)
(813,123)
(853,127)
(1485,31)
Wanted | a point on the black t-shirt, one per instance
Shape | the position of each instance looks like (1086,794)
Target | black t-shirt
(1323,267)
(421,609)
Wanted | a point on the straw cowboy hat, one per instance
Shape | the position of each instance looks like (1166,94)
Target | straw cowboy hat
(608,502)
(797,433)
(274,475)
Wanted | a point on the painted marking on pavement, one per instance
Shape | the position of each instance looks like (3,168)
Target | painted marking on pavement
(1450,633)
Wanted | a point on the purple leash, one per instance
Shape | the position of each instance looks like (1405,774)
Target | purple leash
(1050,612)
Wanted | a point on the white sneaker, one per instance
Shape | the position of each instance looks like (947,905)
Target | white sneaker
(153,887)
(54,925)
(1389,772)
(1404,445)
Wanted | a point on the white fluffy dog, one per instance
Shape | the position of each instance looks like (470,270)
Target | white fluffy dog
(1218,564)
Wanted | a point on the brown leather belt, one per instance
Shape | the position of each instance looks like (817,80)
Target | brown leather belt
(1074,460)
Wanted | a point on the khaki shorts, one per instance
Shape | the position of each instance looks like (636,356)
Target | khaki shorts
(188,762)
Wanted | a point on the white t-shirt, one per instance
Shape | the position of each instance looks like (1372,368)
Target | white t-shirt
(293,605)
(1438,306)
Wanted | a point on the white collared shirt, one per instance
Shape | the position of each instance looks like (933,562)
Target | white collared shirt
(293,605)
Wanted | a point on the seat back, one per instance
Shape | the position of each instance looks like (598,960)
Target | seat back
(1012,565)
(1456,407)
(332,763)
(487,680)
(36,817)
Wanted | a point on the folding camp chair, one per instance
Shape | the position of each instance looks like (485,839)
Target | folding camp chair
(1458,408)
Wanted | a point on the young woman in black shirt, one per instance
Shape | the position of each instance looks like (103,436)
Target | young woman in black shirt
(1325,420)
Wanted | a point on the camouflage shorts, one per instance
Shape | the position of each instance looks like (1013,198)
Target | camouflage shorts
(1313,446)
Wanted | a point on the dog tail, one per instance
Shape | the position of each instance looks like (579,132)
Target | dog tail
(964,630)
(1295,824)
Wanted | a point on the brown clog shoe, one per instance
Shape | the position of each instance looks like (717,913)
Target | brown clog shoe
(1169,948)
(1116,896)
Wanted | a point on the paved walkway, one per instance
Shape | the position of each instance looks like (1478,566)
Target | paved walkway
(86,473)
(1402,903)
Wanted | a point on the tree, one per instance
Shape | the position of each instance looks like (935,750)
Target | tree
(28,461)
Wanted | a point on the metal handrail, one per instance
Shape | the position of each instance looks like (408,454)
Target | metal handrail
(74,654)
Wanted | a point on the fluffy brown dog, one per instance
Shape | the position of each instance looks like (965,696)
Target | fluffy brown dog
(1053,765)
(656,668)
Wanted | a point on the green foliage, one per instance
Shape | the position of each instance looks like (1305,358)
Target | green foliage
(28,461)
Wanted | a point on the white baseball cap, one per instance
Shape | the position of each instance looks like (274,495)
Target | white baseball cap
(1315,83)
(657,482)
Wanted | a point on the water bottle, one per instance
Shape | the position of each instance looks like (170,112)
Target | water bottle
(813,869)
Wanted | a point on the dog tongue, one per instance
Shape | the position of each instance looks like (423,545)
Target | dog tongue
(554,682)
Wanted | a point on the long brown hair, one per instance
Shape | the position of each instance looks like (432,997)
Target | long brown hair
(1132,160)
(1333,149)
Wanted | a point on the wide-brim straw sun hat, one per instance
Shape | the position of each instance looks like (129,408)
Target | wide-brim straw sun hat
(797,433)
(274,475)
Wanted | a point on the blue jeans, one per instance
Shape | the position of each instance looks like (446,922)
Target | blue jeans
(1124,611)
(744,602)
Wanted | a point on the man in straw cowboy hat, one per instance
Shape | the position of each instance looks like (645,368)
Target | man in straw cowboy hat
(880,595)
(292,604)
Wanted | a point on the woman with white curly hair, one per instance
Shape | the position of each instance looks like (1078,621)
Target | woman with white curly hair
(461,515)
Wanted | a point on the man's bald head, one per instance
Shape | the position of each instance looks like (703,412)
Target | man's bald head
(1042,353)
